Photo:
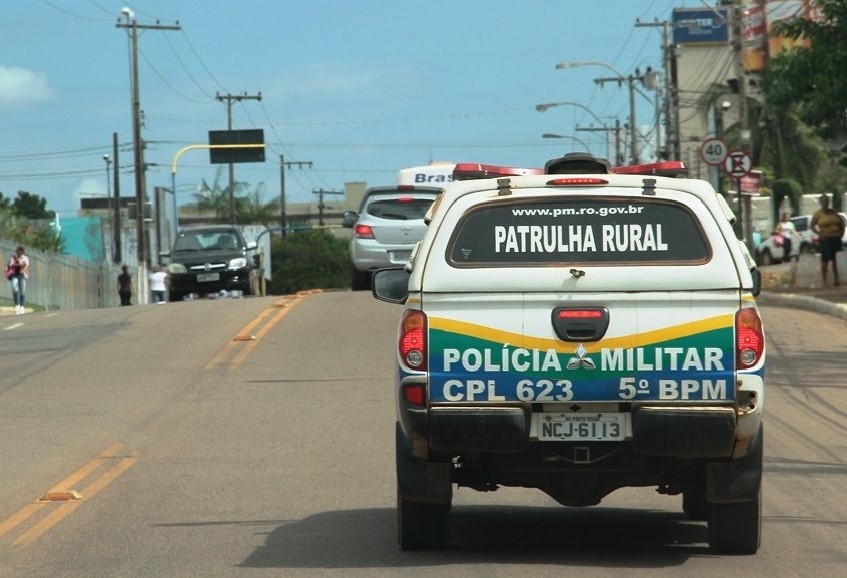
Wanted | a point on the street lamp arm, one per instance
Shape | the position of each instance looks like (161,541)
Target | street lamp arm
(573,138)
(544,106)
(562,65)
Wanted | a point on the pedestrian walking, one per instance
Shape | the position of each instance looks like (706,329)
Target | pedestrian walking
(126,286)
(158,283)
(17,272)
(827,223)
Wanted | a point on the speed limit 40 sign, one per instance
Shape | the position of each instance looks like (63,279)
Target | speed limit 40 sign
(713,151)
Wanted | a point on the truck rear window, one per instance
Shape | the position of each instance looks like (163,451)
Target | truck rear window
(536,232)
(399,208)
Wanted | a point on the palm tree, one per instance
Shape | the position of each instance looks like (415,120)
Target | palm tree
(249,205)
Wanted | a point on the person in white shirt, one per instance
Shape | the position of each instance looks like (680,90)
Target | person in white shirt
(788,231)
(158,279)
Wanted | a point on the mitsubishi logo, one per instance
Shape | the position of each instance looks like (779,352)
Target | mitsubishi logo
(581,360)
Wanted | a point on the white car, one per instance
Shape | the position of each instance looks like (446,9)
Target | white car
(772,250)
(579,329)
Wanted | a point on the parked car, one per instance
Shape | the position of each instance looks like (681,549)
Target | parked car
(772,248)
(389,223)
(210,259)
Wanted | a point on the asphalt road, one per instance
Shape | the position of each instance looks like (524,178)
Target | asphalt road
(254,437)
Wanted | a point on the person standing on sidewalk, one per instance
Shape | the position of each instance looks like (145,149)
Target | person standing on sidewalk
(126,287)
(158,279)
(827,223)
(788,231)
(18,274)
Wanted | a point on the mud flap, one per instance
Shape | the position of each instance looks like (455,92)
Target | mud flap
(737,481)
(421,481)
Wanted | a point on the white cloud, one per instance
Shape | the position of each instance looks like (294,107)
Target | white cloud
(20,88)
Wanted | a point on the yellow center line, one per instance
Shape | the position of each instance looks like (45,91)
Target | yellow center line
(67,508)
(15,519)
(248,348)
(284,303)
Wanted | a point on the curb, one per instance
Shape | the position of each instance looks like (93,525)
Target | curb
(838,310)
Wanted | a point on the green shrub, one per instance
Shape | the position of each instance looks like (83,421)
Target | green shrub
(785,189)
(308,260)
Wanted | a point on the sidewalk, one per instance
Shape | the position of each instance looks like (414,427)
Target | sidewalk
(10,310)
(799,284)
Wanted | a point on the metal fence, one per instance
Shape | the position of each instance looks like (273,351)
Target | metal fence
(63,282)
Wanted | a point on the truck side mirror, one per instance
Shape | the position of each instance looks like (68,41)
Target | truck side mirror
(391,285)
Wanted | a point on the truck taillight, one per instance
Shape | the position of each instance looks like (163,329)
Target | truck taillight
(363,232)
(412,342)
(749,338)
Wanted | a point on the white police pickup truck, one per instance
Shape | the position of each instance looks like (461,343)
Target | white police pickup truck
(579,329)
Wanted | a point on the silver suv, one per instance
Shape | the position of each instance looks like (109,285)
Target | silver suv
(389,223)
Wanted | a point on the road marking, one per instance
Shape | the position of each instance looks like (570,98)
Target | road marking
(247,349)
(13,326)
(247,338)
(67,507)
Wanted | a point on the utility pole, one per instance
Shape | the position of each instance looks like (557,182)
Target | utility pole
(321,206)
(229,98)
(117,208)
(282,165)
(607,129)
(633,134)
(133,26)
(737,18)
(671,100)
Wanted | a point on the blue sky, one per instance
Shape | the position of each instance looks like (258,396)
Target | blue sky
(359,89)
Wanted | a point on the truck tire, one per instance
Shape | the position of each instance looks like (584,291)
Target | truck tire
(421,526)
(736,528)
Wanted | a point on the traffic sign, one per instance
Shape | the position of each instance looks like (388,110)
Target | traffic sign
(713,151)
(738,164)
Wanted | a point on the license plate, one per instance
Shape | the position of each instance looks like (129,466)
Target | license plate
(205,277)
(593,427)
(400,256)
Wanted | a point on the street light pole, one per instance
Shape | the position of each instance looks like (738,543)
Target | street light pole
(108,162)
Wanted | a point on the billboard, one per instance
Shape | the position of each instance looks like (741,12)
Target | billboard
(700,25)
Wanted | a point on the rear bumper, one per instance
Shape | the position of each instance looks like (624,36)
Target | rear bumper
(684,432)
(674,432)
(368,255)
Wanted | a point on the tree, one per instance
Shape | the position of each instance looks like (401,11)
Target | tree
(26,221)
(813,76)
(29,206)
(249,205)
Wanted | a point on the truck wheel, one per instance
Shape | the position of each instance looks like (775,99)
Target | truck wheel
(736,528)
(695,505)
(421,526)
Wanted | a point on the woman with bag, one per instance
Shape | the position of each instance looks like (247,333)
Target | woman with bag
(17,272)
